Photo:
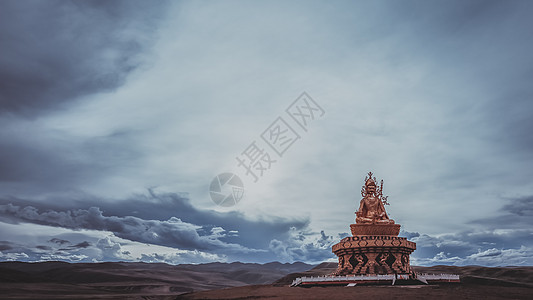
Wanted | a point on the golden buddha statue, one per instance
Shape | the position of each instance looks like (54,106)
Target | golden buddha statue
(372,208)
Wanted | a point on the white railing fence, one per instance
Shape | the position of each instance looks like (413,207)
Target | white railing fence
(329,278)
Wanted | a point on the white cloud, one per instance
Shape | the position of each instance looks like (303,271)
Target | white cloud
(13,256)
(502,257)
(89,246)
(305,246)
(181,257)
(491,257)
(172,232)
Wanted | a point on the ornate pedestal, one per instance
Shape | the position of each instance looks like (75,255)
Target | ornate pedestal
(373,254)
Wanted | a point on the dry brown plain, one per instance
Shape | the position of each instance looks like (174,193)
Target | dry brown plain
(56,280)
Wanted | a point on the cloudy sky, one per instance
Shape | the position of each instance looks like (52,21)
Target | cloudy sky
(117,115)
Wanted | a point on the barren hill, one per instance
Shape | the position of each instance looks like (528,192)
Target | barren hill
(122,280)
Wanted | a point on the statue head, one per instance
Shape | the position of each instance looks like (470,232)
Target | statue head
(370,186)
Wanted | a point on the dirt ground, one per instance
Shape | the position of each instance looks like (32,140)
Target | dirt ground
(444,291)
(58,280)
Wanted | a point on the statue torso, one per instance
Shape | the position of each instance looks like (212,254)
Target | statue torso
(372,204)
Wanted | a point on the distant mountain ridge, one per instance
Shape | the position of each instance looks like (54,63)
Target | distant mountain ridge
(133,278)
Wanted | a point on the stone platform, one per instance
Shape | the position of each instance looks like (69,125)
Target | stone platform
(397,279)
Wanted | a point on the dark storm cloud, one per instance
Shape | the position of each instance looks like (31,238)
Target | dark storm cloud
(164,206)
(58,241)
(450,17)
(169,219)
(477,55)
(56,161)
(515,213)
(488,44)
(5,245)
(522,207)
(42,247)
(83,244)
(57,51)
(172,233)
